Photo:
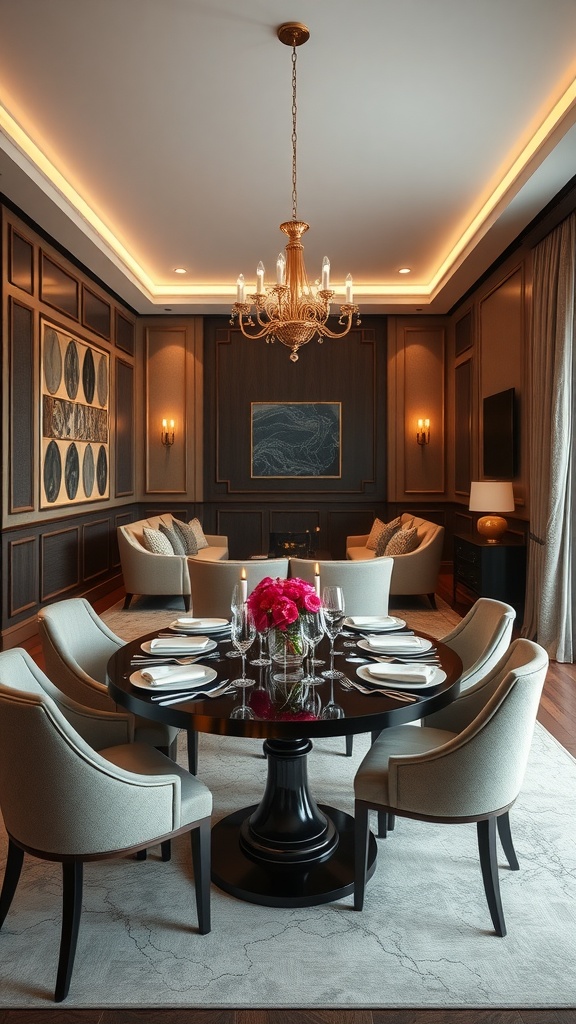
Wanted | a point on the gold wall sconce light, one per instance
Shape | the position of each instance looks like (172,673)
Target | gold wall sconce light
(423,432)
(167,433)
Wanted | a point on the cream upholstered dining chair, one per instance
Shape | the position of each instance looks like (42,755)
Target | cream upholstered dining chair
(473,774)
(366,585)
(212,583)
(77,646)
(73,788)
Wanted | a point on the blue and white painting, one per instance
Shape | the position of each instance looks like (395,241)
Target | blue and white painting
(296,439)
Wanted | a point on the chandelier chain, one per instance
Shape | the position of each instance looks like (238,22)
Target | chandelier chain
(294,137)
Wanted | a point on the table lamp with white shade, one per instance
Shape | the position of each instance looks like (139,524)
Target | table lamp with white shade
(493,497)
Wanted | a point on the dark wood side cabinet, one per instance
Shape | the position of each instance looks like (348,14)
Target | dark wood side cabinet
(491,570)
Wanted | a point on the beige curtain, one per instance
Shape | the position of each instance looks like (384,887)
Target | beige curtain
(550,591)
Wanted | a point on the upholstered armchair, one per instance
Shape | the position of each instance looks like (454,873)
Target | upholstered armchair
(77,646)
(74,789)
(212,583)
(470,775)
(366,585)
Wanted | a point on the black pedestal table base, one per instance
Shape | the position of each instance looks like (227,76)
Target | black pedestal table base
(286,851)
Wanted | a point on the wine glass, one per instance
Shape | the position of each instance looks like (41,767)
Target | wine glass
(243,633)
(263,659)
(333,615)
(236,602)
(313,629)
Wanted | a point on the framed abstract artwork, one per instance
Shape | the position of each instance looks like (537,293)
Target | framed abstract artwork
(74,420)
(296,440)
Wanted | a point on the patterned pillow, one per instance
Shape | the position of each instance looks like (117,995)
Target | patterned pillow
(388,531)
(201,541)
(403,541)
(377,527)
(157,542)
(174,539)
(187,537)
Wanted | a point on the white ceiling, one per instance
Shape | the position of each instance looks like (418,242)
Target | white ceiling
(171,121)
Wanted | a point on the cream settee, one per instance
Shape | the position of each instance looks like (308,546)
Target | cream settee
(149,572)
(415,572)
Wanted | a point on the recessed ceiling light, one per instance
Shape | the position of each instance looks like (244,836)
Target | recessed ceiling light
(180,270)
(404,270)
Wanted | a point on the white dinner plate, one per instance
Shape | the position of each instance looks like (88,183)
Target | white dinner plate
(375,623)
(193,626)
(418,645)
(363,673)
(209,681)
(177,650)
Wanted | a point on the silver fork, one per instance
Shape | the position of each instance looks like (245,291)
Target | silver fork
(409,698)
(165,699)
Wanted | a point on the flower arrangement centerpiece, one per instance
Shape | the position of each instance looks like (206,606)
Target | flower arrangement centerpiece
(278,606)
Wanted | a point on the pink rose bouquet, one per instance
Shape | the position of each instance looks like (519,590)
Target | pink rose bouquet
(279,603)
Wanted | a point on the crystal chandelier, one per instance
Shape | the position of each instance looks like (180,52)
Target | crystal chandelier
(291,311)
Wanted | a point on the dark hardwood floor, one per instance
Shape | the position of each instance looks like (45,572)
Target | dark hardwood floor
(557,714)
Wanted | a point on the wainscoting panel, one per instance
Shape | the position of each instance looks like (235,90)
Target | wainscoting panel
(245,530)
(59,562)
(21,377)
(23,575)
(124,428)
(96,549)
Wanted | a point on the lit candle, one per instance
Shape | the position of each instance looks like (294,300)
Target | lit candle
(349,291)
(325,274)
(260,278)
(171,424)
(317,579)
(164,424)
(240,288)
(280,269)
(244,585)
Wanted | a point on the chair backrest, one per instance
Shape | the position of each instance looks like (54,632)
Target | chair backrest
(77,646)
(480,770)
(57,794)
(366,584)
(212,583)
(481,638)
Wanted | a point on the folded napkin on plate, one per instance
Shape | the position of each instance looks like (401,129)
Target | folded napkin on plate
(181,643)
(384,643)
(403,673)
(162,675)
(372,620)
(189,622)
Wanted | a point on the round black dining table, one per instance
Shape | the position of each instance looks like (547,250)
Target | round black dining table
(287,850)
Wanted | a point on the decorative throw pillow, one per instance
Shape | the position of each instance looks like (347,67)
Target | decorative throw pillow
(157,542)
(403,541)
(377,527)
(174,539)
(187,536)
(201,541)
(387,532)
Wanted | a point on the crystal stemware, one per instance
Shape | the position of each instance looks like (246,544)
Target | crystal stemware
(243,634)
(313,630)
(333,611)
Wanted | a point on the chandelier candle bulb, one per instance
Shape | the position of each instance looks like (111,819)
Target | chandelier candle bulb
(325,274)
(349,289)
(260,279)
(244,585)
(240,288)
(280,269)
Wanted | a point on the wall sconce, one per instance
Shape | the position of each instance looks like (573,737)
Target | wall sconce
(167,433)
(491,496)
(423,432)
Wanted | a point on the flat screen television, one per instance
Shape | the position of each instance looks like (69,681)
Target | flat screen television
(499,435)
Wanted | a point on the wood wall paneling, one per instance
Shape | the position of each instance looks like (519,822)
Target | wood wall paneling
(423,374)
(57,288)
(21,262)
(246,531)
(21,413)
(463,333)
(125,334)
(120,520)
(166,398)
(95,549)
(23,575)
(125,431)
(96,313)
(59,562)
(463,427)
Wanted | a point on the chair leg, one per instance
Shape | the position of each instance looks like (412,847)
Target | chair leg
(173,749)
(486,831)
(361,833)
(72,875)
(14,863)
(141,854)
(166,848)
(188,602)
(382,825)
(192,742)
(432,599)
(349,745)
(503,823)
(201,840)
(127,600)
(374,736)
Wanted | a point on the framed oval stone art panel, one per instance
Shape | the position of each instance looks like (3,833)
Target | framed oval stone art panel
(75,424)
